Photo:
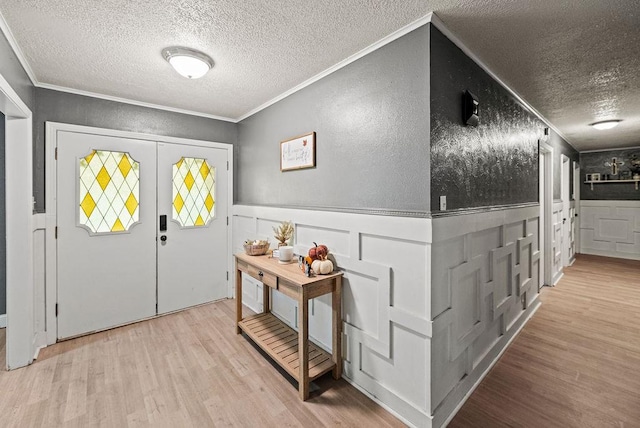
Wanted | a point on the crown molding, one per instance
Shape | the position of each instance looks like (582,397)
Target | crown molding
(375,46)
(440,25)
(132,102)
(8,34)
(611,149)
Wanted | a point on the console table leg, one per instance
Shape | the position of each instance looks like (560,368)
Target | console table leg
(238,300)
(303,345)
(336,309)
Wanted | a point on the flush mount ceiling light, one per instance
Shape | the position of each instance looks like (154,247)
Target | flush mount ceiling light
(189,63)
(606,124)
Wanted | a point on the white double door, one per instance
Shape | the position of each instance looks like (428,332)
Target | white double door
(118,261)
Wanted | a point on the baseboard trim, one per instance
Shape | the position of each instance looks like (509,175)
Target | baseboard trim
(524,322)
(379,403)
(614,254)
(3,321)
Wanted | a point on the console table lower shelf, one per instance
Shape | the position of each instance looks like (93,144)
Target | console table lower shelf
(280,342)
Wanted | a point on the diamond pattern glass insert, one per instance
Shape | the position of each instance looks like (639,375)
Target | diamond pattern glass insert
(193,192)
(109,191)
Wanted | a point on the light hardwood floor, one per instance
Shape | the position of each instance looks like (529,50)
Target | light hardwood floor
(577,362)
(188,369)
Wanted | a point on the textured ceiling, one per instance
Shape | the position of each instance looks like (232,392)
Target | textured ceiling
(576,62)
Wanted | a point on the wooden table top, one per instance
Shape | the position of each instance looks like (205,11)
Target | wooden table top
(290,271)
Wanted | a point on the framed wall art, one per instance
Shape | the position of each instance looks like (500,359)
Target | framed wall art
(298,152)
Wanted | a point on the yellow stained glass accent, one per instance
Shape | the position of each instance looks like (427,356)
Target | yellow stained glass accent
(189,181)
(109,191)
(125,166)
(193,192)
(131,204)
(88,205)
(178,203)
(117,226)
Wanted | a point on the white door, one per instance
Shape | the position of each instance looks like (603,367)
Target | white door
(115,266)
(106,211)
(192,194)
(566,212)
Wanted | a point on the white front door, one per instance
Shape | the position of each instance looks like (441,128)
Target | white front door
(115,265)
(106,232)
(192,194)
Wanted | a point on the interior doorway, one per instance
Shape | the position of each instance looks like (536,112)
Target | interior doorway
(546,220)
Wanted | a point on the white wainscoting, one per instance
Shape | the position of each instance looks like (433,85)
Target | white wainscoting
(484,281)
(557,241)
(610,228)
(386,299)
(39,251)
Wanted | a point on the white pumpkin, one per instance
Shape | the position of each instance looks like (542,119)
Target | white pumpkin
(322,267)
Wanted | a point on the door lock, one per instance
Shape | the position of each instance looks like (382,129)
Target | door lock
(163,238)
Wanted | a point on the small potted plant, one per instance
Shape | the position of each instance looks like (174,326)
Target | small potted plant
(283,233)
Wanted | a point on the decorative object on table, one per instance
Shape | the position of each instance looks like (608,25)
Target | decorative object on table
(614,164)
(634,166)
(595,176)
(318,252)
(625,175)
(587,177)
(285,254)
(322,266)
(283,233)
(298,152)
(256,247)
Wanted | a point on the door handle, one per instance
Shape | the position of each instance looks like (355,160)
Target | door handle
(163,223)
(163,238)
(564,220)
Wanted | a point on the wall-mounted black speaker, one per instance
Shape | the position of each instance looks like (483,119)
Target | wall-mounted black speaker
(470,109)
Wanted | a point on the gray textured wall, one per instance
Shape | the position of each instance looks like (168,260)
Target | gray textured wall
(3,225)
(492,164)
(372,131)
(595,162)
(561,147)
(13,72)
(80,110)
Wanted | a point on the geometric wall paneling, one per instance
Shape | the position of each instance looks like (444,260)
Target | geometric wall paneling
(386,347)
(468,294)
(525,261)
(503,268)
(610,228)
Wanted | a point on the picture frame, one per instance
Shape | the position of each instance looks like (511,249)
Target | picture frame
(595,176)
(298,152)
(587,177)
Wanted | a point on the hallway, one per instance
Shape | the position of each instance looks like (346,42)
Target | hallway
(576,363)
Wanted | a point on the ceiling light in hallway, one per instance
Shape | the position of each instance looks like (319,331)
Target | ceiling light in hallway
(606,124)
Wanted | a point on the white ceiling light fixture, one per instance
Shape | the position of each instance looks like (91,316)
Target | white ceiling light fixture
(189,63)
(606,124)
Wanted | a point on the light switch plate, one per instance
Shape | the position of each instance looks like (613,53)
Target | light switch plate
(443,203)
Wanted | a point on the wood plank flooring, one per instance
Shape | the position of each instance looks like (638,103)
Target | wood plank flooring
(188,369)
(577,362)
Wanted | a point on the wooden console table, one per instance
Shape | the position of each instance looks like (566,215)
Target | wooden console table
(277,339)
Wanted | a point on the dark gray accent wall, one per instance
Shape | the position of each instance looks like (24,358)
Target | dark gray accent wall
(493,164)
(595,162)
(12,71)
(372,132)
(63,107)
(3,223)
(561,147)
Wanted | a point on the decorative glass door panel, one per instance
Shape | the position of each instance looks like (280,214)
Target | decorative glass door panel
(192,251)
(106,231)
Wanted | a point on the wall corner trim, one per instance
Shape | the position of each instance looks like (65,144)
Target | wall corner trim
(373,47)
(3,321)
(4,27)
(440,25)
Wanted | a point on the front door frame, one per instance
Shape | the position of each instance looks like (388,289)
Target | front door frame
(51,142)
